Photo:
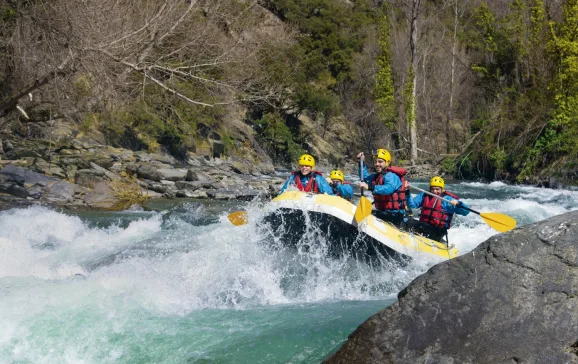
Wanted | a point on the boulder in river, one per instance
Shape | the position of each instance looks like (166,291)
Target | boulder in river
(513,299)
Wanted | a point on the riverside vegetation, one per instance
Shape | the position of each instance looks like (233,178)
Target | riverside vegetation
(233,88)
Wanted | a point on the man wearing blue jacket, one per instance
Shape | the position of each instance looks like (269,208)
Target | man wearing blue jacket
(306,179)
(387,185)
(339,186)
(436,215)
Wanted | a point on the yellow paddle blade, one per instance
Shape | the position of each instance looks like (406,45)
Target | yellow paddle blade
(498,221)
(238,218)
(363,209)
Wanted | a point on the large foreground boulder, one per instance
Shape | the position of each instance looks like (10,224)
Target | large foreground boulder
(514,299)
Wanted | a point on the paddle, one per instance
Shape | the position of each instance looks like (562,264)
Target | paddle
(238,218)
(500,222)
(364,208)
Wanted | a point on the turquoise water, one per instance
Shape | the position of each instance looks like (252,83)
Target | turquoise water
(180,284)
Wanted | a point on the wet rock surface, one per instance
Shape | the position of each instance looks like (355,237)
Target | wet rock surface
(513,299)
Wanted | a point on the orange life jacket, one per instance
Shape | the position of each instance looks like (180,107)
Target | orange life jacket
(432,212)
(395,201)
(311,185)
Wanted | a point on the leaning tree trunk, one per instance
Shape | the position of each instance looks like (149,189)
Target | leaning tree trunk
(10,101)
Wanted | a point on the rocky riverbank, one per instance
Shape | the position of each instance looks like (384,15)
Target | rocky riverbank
(92,176)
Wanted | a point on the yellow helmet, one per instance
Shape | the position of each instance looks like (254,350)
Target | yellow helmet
(307,160)
(382,154)
(437,181)
(336,174)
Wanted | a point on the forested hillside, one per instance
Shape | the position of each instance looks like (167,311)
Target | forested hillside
(489,86)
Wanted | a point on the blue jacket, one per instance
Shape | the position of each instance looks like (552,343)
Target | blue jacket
(322,184)
(415,202)
(345,190)
(391,183)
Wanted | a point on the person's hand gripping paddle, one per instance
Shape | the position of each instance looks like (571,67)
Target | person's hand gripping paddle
(364,207)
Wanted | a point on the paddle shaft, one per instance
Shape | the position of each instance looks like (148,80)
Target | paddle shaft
(361,174)
(441,198)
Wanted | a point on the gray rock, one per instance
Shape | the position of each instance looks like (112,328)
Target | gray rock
(191,176)
(60,193)
(7,145)
(146,171)
(161,187)
(172,174)
(12,188)
(117,167)
(110,175)
(101,197)
(142,156)
(513,299)
(14,174)
(199,194)
(190,186)
(228,194)
(194,162)
(26,177)
(50,169)
(9,202)
(185,193)
(69,152)
(36,192)
(89,177)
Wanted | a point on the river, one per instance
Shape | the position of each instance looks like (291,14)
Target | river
(180,284)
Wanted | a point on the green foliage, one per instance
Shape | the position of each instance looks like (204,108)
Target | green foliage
(537,22)
(318,101)
(384,87)
(331,32)
(127,192)
(485,21)
(448,166)
(515,70)
(83,85)
(561,133)
(277,138)
(494,41)
(464,167)
(7,13)
(516,27)
(157,119)
(499,158)
(228,143)
(89,122)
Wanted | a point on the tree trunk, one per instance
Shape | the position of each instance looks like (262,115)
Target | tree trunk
(450,117)
(413,50)
(11,100)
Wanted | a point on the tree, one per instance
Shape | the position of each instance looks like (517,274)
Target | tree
(411,100)
(384,87)
(186,48)
(559,137)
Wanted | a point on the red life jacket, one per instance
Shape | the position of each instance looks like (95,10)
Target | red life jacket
(395,201)
(311,185)
(432,212)
(336,191)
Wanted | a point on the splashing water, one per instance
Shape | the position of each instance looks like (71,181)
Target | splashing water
(184,285)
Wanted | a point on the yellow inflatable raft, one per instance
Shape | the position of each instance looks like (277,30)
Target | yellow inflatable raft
(293,210)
